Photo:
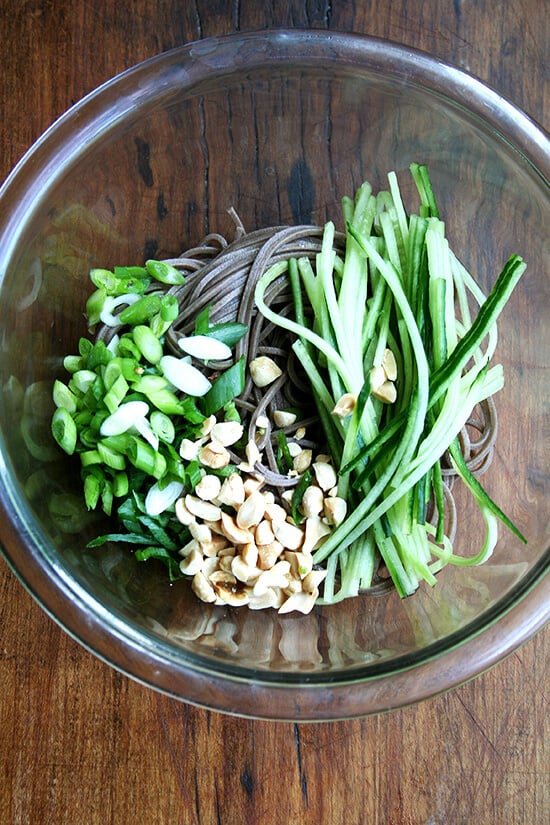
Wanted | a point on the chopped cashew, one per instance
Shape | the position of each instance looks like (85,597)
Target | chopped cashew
(268,554)
(208,488)
(264,370)
(290,536)
(300,563)
(251,511)
(274,512)
(244,572)
(183,515)
(272,597)
(207,424)
(226,432)
(377,377)
(249,553)
(244,547)
(232,491)
(202,588)
(386,392)
(312,581)
(202,509)
(216,546)
(233,532)
(316,530)
(201,532)
(294,449)
(263,533)
(335,509)
(303,602)
(210,566)
(276,576)
(282,418)
(189,450)
(214,455)
(192,563)
(189,548)
(325,474)
(302,461)
(389,365)
(345,405)
(312,501)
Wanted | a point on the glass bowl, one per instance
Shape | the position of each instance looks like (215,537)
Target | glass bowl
(280,126)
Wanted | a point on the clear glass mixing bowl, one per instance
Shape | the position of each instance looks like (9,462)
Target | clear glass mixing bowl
(280,126)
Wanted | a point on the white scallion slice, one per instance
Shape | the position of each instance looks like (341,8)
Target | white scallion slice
(158,500)
(112,302)
(205,348)
(144,429)
(124,417)
(112,346)
(184,376)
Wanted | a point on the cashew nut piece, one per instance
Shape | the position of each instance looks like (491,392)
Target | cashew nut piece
(232,491)
(325,474)
(192,563)
(389,365)
(251,511)
(208,488)
(264,370)
(214,455)
(345,405)
(288,534)
(335,510)
(312,501)
(226,432)
(202,509)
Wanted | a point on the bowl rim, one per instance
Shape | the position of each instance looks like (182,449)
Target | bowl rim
(139,654)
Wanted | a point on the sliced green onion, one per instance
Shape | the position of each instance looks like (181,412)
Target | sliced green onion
(147,343)
(163,426)
(116,393)
(82,380)
(95,305)
(184,376)
(73,363)
(121,485)
(141,311)
(92,490)
(90,457)
(64,430)
(112,458)
(63,397)
(165,273)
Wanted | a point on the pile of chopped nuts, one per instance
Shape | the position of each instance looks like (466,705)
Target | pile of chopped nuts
(245,548)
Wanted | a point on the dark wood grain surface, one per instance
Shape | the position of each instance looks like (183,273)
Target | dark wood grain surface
(81,744)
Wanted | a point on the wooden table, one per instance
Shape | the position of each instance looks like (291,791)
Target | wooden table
(81,744)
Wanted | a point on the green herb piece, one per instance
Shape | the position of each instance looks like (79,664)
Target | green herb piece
(298,495)
(229,333)
(228,386)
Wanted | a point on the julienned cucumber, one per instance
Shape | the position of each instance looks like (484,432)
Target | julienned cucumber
(399,288)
